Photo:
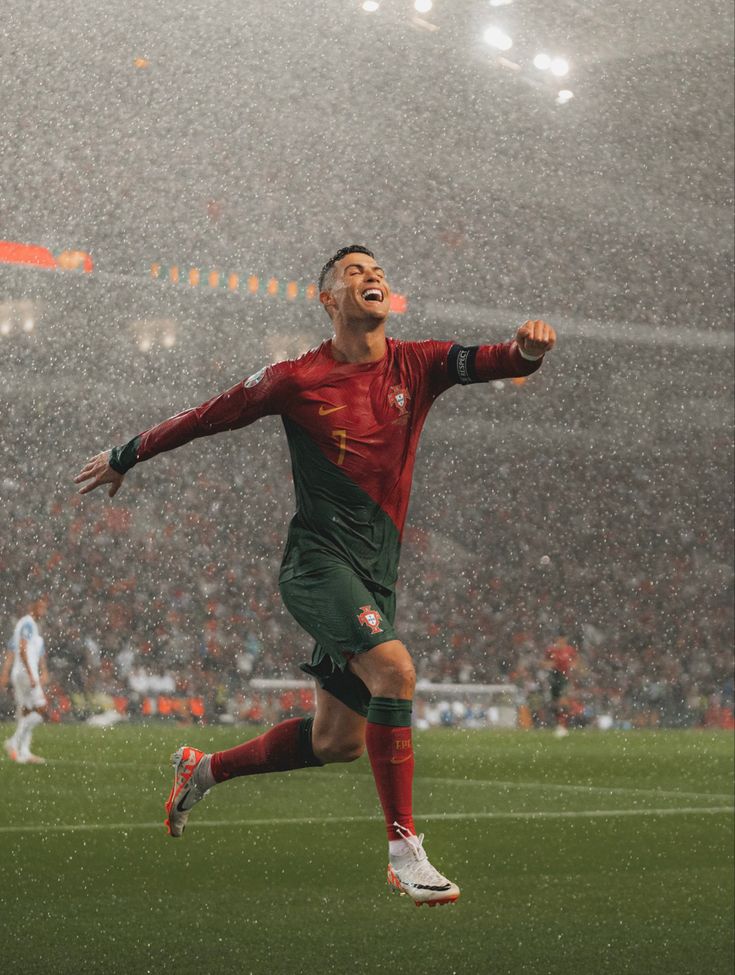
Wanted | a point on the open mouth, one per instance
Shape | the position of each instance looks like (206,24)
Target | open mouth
(372,294)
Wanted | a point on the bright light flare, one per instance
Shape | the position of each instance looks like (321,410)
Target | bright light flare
(423,6)
(28,325)
(559,67)
(5,326)
(542,62)
(370,6)
(496,37)
(500,3)
(564,96)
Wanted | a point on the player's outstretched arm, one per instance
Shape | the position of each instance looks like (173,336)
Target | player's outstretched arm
(97,472)
(262,394)
(522,356)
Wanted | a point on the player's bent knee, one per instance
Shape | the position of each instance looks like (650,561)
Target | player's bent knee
(351,751)
(397,680)
(330,751)
(387,670)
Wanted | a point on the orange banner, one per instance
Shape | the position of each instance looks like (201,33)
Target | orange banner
(14,253)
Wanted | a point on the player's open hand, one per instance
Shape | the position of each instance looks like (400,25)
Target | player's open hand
(98,471)
(535,338)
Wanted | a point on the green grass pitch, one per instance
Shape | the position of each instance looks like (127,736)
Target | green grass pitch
(601,853)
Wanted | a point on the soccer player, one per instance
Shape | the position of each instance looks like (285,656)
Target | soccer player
(353,409)
(560,660)
(26,666)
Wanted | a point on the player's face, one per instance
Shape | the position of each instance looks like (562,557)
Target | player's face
(360,292)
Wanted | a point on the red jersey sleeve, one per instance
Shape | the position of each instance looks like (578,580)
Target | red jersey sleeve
(502,361)
(446,364)
(263,394)
(431,358)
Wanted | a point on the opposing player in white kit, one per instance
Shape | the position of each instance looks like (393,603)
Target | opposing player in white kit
(28,674)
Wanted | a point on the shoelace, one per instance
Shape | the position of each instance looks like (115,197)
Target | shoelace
(425,873)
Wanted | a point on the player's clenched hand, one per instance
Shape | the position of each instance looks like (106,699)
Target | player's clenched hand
(98,471)
(535,338)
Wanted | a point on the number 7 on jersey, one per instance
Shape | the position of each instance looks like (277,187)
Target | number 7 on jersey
(341,437)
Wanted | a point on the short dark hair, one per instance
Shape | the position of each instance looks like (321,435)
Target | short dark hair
(342,252)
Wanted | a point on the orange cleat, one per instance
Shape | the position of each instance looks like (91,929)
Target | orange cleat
(10,750)
(185,792)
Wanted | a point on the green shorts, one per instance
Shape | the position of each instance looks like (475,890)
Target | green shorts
(345,615)
(558,684)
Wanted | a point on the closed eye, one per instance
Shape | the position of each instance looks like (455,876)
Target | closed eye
(360,268)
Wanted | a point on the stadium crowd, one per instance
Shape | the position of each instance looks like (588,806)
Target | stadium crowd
(170,592)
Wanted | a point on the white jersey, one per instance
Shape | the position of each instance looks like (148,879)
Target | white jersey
(27,629)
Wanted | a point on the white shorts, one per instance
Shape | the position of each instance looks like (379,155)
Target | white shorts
(26,696)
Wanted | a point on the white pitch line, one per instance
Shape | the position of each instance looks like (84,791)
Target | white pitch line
(435,817)
(495,783)
(554,786)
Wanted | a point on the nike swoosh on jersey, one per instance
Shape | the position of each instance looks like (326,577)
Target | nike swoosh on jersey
(400,761)
(325,410)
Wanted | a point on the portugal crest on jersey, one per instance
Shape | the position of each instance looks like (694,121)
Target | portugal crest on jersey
(399,396)
(370,617)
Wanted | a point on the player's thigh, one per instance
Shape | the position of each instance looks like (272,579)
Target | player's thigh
(338,732)
(386,669)
(26,697)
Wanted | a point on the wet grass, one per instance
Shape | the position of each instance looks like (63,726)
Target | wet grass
(600,853)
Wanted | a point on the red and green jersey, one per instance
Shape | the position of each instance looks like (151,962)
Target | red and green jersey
(353,431)
(562,657)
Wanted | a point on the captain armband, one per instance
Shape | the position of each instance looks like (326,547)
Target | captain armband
(123,458)
(461,364)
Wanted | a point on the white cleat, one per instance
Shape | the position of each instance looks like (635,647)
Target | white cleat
(185,793)
(411,873)
(31,759)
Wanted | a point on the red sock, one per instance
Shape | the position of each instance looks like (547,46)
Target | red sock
(390,751)
(284,747)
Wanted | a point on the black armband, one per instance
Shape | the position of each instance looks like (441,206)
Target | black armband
(123,458)
(461,364)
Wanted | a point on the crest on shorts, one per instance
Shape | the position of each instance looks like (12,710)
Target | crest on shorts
(399,396)
(370,617)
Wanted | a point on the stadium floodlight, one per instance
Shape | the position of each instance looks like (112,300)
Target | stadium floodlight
(559,67)
(423,6)
(564,96)
(542,62)
(370,6)
(496,37)
(28,324)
